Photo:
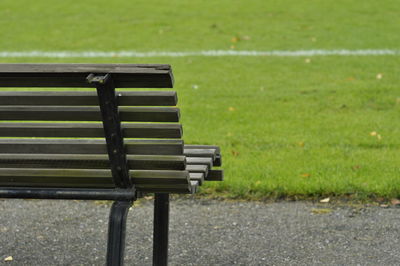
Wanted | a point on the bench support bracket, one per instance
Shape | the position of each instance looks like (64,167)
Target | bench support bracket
(160,235)
(112,128)
(116,232)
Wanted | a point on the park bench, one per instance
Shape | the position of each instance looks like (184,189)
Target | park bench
(99,143)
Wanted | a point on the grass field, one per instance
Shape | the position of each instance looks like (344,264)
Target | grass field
(288,126)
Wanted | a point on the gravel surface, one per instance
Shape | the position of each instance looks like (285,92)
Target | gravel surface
(203,232)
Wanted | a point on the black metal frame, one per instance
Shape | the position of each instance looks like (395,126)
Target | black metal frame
(112,128)
(160,233)
(67,193)
(116,232)
(119,167)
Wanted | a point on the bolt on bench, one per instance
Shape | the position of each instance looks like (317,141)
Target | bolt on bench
(99,144)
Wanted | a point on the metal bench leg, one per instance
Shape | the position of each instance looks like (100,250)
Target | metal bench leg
(161,222)
(116,232)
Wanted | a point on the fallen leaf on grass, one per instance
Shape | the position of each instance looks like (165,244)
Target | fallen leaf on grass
(321,211)
(301,143)
(375,134)
(326,200)
(235,39)
(235,153)
(9,258)
(305,175)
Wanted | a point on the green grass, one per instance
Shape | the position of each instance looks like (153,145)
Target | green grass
(286,127)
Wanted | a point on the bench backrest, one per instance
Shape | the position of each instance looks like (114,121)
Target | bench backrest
(70,138)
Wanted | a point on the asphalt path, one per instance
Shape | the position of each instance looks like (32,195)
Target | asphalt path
(203,232)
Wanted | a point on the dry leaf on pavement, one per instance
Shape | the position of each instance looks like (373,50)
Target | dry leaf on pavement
(326,200)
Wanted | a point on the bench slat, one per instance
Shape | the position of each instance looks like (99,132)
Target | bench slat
(200,161)
(159,177)
(31,177)
(56,113)
(63,75)
(199,177)
(176,188)
(89,146)
(92,161)
(90,130)
(87,177)
(211,153)
(204,151)
(197,169)
(87,98)
(216,148)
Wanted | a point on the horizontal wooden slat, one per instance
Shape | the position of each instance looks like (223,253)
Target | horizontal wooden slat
(88,146)
(159,177)
(199,177)
(87,177)
(62,113)
(211,153)
(197,169)
(31,177)
(87,98)
(174,188)
(200,161)
(94,130)
(94,161)
(74,75)
(204,151)
(216,148)
(215,175)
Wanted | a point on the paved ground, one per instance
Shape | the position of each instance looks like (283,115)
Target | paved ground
(203,232)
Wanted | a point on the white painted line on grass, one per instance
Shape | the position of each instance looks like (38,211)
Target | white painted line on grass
(280,53)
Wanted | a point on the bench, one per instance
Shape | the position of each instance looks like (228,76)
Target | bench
(99,143)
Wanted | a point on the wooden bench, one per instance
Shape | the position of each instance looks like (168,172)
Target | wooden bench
(100,143)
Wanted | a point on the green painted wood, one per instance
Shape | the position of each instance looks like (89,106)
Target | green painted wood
(200,161)
(74,75)
(89,146)
(211,153)
(62,113)
(199,177)
(87,98)
(87,177)
(91,161)
(159,177)
(88,130)
(176,188)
